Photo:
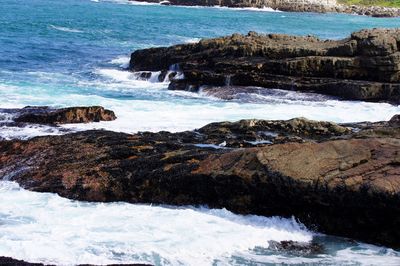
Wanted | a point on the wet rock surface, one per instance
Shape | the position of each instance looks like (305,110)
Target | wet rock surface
(296,248)
(365,66)
(52,116)
(338,179)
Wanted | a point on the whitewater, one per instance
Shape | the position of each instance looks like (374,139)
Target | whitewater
(75,53)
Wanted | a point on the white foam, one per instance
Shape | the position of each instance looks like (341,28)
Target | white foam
(251,9)
(122,61)
(254,9)
(30,131)
(130,2)
(65,29)
(192,40)
(43,227)
(131,79)
(146,106)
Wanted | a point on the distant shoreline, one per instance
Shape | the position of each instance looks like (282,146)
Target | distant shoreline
(318,6)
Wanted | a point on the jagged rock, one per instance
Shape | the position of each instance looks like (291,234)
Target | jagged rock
(47,115)
(365,66)
(339,180)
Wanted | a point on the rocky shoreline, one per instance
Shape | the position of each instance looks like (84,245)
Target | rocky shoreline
(337,179)
(6,261)
(364,66)
(319,6)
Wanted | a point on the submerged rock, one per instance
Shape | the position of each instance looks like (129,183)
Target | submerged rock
(296,248)
(365,66)
(47,115)
(339,180)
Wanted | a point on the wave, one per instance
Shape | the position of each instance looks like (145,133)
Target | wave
(252,9)
(141,105)
(133,78)
(122,61)
(192,40)
(65,29)
(34,228)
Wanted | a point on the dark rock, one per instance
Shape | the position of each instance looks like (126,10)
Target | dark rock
(6,261)
(344,182)
(296,248)
(395,121)
(365,66)
(47,115)
(13,262)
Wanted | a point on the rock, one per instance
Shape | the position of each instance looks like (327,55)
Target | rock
(320,6)
(395,121)
(340,181)
(365,66)
(47,115)
(6,261)
(296,248)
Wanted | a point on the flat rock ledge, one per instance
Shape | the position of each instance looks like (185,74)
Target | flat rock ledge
(364,66)
(338,179)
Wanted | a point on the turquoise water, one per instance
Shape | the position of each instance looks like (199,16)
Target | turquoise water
(74,52)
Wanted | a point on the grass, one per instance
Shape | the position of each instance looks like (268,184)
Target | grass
(387,3)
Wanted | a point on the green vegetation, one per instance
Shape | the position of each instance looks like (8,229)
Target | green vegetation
(388,3)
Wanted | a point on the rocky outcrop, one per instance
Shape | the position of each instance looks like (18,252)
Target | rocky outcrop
(339,179)
(296,248)
(6,261)
(320,6)
(365,66)
(47,115)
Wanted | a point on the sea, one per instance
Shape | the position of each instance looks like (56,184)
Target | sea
(63,53)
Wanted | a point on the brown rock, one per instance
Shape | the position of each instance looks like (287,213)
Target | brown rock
(327,176)
(46,115)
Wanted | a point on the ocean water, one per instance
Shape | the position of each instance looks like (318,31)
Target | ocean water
(43,227)
(74,52)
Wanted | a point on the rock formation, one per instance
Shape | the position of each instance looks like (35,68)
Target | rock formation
(320,6)
(339,179)
(365,66)
(6,261)
(47,115)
